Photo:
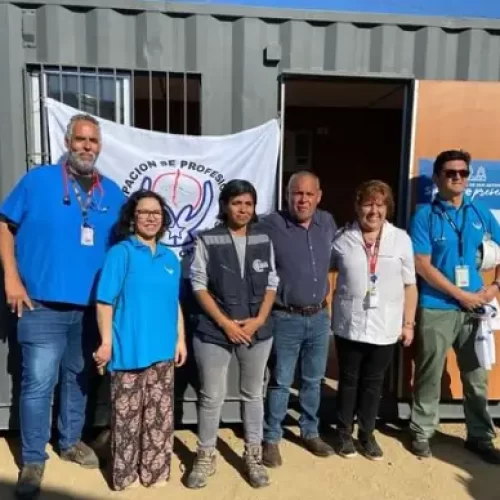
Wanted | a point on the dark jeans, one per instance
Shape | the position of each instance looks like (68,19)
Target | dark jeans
(53,346)
(296,337)
(362,369)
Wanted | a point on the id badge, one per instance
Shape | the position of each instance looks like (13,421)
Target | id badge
(87,236)
(462,276)
(373,297)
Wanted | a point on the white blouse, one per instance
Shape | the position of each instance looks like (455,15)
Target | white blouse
(352,319)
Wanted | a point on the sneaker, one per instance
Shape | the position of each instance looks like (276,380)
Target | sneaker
(318,447)
(81,454)
(485,450)
(271,456)
(346,448)
(205,465)
(255,470)
(370,448)
(421,448)
(29,481)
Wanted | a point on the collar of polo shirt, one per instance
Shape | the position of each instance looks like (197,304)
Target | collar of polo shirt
(448,206)
(160,247)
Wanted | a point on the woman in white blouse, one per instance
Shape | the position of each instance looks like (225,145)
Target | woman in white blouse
(374,308)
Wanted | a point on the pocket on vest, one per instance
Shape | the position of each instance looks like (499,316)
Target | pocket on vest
(259,283)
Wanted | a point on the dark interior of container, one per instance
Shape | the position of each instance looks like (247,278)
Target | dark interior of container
(346,132)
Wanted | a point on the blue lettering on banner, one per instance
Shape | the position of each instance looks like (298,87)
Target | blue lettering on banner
(483,185)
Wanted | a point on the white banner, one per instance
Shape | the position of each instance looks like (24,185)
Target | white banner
(188,171)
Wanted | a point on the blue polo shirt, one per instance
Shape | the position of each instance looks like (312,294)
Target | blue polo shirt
(144,289)
(52,262)
(432,234)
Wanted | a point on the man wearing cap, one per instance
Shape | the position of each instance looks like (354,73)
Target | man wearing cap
(302,237)
(54,231)
(447,235)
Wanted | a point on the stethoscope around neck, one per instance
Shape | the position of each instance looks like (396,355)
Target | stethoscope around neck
(96,183)
(437,209)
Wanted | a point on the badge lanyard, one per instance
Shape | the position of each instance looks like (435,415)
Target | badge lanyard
(459,232)
(372,253)
(84,205)
(87,231)
(462,278)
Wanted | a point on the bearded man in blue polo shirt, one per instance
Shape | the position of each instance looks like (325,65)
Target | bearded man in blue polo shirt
(447,235)
(54,231)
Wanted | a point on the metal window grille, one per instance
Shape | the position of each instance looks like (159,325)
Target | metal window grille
(161,101)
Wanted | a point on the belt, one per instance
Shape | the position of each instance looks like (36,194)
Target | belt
(301,310)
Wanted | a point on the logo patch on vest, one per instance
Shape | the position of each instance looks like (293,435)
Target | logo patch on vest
(259,265)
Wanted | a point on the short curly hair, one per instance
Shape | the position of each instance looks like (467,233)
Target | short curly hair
(123,227)
(373,189)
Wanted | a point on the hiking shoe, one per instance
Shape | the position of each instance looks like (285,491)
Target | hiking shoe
(255,470)
(485,450)
(370,448)
(29,481)
(81,454)
(346,448)
(421,448)
(318,447)
(205,465)
(271,456)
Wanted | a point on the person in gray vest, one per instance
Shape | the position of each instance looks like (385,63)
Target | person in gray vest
(302,237)
(234,280)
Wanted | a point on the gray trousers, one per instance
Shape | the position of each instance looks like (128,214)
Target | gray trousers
(213,363)
(438,331)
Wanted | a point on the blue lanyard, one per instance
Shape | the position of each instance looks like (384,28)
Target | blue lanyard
(460,232)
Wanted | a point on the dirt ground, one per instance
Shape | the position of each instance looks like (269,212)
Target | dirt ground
(453,473)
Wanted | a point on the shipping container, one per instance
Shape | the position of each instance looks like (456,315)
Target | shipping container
(358,96)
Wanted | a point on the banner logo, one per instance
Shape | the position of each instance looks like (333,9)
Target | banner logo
(189,190)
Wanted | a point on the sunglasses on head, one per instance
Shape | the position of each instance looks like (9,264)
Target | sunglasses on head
(452,174)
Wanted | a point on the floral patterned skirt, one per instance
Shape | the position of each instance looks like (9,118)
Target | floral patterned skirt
(142,425)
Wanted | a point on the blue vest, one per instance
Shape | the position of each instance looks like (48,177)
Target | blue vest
(237,297)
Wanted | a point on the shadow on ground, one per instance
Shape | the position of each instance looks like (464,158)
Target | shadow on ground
(7,493)
(450,450)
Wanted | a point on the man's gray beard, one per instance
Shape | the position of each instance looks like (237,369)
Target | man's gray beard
(79,167)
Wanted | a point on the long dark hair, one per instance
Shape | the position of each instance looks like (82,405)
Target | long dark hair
(234,188)
(126,220)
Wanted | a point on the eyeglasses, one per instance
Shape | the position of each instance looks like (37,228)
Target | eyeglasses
(144,214)
(452,174)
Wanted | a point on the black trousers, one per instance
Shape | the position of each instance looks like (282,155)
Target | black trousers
(362,369)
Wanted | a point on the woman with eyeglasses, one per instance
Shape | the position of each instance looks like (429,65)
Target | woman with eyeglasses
(142,341)
(373,308)
(234,280)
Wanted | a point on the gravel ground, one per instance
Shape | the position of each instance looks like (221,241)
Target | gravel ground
(453,473)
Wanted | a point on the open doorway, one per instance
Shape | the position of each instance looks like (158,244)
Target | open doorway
(347,130)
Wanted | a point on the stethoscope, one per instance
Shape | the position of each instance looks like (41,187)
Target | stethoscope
(437,210)
(96,184)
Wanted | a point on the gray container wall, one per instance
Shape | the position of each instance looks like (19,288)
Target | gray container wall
(230,47)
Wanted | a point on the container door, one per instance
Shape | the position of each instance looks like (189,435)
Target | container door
(456,115)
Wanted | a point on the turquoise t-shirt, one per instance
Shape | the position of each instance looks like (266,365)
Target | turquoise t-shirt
(432,234)
(144,289)
(53,264)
